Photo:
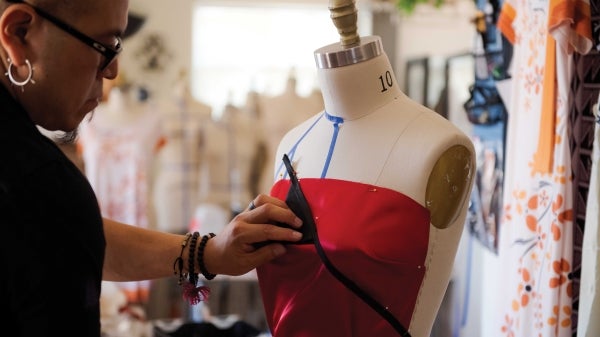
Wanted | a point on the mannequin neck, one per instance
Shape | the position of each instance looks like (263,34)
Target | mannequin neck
(290,86)
(121,107)
(355,90)
(182,94)
(119,102)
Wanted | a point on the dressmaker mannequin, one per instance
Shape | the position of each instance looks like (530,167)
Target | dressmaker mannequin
(258,162)
(214,178)
(278,114)
(242,140)
(118,146)
(121,107)
(387,181)
(183,120)
(230,145)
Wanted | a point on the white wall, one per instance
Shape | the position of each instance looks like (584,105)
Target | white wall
(173,21)
(438,31)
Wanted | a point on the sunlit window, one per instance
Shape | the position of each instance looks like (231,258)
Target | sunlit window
(253,47)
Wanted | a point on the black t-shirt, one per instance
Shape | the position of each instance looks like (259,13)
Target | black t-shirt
(51,235)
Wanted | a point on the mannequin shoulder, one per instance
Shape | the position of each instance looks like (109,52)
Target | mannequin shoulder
(299,129)
(451,161)
(432,161)
(449,185)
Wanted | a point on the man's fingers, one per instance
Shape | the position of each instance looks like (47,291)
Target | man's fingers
(268,253)
(263,199)
(268,233)
(272,211)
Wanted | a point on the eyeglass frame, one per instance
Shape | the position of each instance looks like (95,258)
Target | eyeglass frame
(109,53)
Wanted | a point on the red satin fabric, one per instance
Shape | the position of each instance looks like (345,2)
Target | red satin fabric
(375,236)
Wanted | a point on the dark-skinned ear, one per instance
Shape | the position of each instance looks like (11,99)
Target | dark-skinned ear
(15,24)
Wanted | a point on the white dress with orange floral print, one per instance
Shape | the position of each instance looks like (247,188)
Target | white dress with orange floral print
(118,146)
(535,247)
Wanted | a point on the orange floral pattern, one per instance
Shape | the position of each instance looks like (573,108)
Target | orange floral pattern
(535,247)
(118,161)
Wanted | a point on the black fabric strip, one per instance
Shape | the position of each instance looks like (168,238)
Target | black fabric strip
(308,221)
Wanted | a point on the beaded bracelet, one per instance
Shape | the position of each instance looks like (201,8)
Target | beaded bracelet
(192,276)
(201,265)
(178,264)
(192,294)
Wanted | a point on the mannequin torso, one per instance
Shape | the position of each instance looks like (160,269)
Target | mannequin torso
(183,120)
(378,116)
(230,145)
(120,109)
(383,140)
(279,114)
(118,147)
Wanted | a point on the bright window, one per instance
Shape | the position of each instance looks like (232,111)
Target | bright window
(253,47)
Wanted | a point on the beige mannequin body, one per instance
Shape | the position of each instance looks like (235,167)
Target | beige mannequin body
(230,144)
(242,142)
(183,121)
(119,146)
(214,178)
(388,140)
(278,114)
(120,108)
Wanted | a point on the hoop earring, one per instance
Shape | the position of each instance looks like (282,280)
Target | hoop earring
(28,79)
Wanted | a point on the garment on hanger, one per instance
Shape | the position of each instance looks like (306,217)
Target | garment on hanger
(118,157)
(535,248)
(589,300)
(278,114)
(486,111)
(229,166)
(184,123)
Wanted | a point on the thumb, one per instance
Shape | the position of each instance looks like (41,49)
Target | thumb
(268,253)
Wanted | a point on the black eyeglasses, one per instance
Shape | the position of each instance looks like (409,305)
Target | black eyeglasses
(109,52)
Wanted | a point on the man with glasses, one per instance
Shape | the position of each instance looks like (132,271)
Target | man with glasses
(55,246)
(109,51)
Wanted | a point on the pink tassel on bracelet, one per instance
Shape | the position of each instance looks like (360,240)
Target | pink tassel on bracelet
(194,295)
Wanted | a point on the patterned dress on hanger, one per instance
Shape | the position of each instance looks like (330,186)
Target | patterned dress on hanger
(535,248)
(589,301)
(118,159)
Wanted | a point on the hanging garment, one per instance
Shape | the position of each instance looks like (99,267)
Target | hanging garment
(535,248)
(589,301)
(117,164)
(175,187)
